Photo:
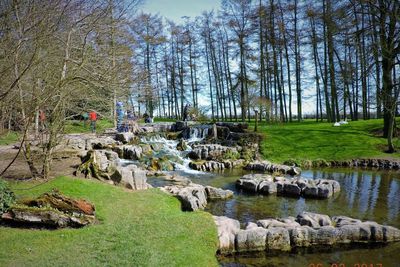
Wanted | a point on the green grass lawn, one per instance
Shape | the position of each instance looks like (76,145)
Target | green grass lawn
(8,138)
(312,141)
(75,126)
(141,228)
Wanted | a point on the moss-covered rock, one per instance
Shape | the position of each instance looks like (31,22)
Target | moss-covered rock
(51,210)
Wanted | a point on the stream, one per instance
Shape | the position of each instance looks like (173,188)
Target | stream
(365,194)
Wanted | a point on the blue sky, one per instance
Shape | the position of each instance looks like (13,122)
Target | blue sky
(175,9)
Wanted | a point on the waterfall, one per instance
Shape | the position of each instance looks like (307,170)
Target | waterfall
(167,148)
(196,133)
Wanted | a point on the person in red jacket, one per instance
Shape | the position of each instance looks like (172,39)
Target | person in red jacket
(93,119)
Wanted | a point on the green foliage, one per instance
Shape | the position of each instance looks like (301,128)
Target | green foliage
(311,143)
(229,154)
(247,154)
(8,138)
(140,228)
(7,197)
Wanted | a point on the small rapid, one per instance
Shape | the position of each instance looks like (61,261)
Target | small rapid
(168,148)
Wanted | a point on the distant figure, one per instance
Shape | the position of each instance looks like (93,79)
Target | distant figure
(147,118)
(85,117)
(42,120)
(93,119)
(186,112)
(130,115)
(120,116)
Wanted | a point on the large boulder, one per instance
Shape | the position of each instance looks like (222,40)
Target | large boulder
(313,220)
(56,200)
(253,239)
(75,141)
(125,137)
(193,197)
(51,210)
(131,152)
(131,177)
(98,163)
(218,193)
(325,235)
(299,236)
(266,184)
(213,152)
(290,189)
(227,229)
(339,221)
(101,143)
(207,165)
(266,166)
(278,239)
(267,187)
(289,222)
(250,182)
(308,229)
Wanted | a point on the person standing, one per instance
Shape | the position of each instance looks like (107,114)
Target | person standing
(42,120)
(85,117)
(93,119)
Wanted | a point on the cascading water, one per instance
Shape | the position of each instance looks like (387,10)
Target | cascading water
(168,148)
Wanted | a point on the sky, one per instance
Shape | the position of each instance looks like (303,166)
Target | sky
(176,9)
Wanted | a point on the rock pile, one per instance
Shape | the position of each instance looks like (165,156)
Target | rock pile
(194,196)
(105,165)
(307,230)
(211,165)
(212,152)
(267,184)
(266,166)
(386,164)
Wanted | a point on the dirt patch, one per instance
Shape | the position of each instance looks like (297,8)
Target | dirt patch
(64,163)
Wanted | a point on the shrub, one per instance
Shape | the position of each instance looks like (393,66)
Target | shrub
(229,154)
(7,197)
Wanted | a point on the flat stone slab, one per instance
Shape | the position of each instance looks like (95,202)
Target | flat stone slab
(268,184)
(306,230)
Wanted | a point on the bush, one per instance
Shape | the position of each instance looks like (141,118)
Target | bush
(229,154)
(7,197)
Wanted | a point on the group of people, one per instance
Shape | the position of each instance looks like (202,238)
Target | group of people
(122,124)
(92,117)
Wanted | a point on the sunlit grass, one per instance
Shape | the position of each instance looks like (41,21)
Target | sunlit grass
(312,141)
(9,138)
(76,126)
(141,228)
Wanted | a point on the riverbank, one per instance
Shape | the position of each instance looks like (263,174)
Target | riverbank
(141,228)
(311,144)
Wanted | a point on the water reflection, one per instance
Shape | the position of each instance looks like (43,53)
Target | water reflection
(366,195)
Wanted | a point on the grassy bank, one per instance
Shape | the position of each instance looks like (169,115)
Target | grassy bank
(75,126)
(142,228)
(314,141)
(8,138)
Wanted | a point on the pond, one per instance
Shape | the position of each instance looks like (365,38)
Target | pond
(365,194)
